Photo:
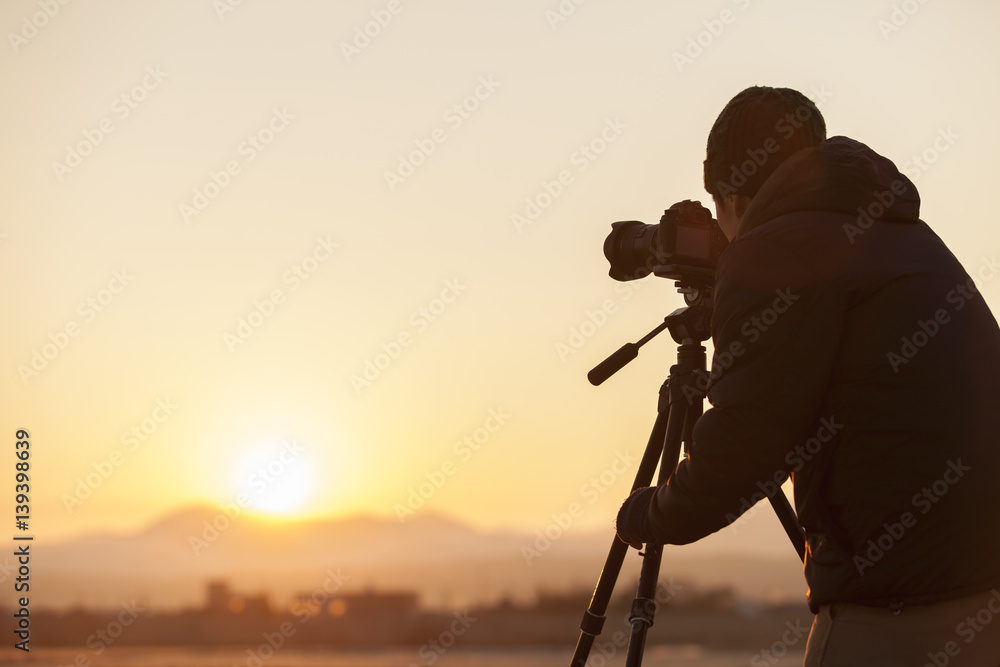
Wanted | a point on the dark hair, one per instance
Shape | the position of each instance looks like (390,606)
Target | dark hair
(757,131)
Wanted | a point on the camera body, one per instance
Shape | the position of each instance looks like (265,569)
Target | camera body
(684,246)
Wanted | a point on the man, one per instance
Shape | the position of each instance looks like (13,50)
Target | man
(865,364)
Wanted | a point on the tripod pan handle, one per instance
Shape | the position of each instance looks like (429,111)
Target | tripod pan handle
(613,364)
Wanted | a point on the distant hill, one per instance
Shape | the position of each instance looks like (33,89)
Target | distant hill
(449,564)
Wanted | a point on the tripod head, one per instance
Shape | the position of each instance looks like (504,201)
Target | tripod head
(689,325)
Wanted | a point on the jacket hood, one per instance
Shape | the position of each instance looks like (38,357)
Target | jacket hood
(839,175)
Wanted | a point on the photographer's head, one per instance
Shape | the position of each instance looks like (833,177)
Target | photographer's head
(757,131)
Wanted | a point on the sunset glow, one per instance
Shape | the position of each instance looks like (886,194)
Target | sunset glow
(276,479)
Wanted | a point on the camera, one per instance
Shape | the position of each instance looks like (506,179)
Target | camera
(685,246)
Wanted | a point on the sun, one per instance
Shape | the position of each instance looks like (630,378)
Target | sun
(276,478)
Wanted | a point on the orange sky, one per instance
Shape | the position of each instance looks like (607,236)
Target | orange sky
(254,253)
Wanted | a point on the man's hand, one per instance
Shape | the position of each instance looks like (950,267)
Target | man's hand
(633,518)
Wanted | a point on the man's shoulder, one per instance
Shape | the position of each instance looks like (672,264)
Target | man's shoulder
(830,246)
(804,245)
(803,230)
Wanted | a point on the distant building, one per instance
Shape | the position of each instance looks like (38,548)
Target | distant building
(371,603)
(355,605)
(256,604)
(222,600)
(218,597)
(555,601)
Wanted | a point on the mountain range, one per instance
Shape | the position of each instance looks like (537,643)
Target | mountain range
(448,564)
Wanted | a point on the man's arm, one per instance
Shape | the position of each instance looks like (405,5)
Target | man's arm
(776,328)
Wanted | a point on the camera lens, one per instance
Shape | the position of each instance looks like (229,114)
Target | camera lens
(630,249)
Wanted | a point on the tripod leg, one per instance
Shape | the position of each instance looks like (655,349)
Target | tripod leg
(594,616)
(786,515)
(644,605)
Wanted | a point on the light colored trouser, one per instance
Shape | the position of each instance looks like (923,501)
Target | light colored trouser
(956,633)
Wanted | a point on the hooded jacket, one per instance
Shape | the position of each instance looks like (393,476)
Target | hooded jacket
(854,353)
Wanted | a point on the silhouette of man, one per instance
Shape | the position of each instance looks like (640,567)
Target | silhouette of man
(865,364)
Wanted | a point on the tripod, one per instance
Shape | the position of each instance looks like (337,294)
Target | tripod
(679,406)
